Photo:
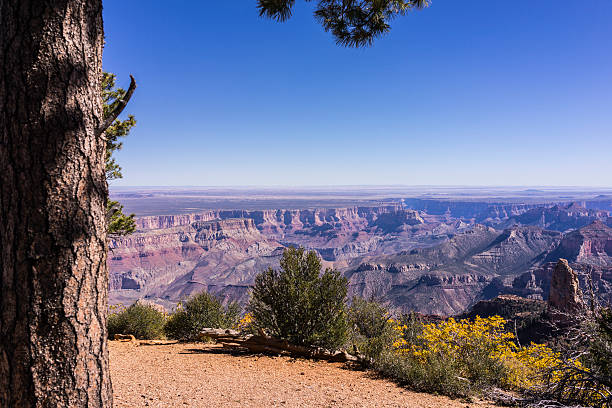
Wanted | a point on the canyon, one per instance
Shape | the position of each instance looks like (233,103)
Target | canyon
(425,255)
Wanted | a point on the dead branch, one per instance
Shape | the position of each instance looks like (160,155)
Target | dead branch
(261,343)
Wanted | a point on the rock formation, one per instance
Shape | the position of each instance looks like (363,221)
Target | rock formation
(588,251)
(591,244)
(565,294)
(560,217)
(447,278)
(221,251)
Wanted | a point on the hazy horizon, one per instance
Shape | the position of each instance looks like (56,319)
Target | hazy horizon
(330,186)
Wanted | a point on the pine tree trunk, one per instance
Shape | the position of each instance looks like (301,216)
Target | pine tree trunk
(53,286)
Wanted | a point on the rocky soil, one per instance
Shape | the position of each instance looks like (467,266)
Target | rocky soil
(197,375)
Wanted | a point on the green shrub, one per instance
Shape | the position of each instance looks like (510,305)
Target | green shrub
(299,304)
(198,312)
(140,320)
(372,330)
(437,375)
(368,317)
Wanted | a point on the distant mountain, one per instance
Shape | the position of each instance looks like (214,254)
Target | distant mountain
(601,202)
(478,210)
(560,217)
(589,252)
(447,278)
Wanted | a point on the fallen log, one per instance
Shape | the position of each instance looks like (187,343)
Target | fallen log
(124,337)
(261,343)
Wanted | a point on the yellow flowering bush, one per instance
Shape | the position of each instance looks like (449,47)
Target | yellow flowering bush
(480,351)
(454,337)
(245,324)
(528,366)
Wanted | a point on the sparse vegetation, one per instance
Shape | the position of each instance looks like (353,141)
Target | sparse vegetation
(299,304)
(452,357)
(458,358)
(372,330)
(140,320)
(583,370)
(198,312)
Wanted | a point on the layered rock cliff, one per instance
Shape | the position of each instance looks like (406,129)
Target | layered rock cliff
(588,252)
(560,217)
(412,260)
(447,278)
(480,211)
(278,221)
(171,263)
(591,245)
(221,251)
(336,233)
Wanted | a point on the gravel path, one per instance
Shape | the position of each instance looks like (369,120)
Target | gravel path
(200,375)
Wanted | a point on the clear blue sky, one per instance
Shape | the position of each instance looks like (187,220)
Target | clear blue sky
(474,92)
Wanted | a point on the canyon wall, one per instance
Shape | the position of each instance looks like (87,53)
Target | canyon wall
(409,259)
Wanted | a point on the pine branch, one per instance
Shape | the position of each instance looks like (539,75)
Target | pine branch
(122,103)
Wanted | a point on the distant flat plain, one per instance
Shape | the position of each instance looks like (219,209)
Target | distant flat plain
(144,201)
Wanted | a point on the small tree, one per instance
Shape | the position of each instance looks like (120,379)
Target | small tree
(198,312)
(299,304)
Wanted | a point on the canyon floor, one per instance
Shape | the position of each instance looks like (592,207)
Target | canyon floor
(203,375)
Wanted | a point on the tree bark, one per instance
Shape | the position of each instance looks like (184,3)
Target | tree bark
(54,281)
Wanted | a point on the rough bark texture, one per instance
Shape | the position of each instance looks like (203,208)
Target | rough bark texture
(53,350)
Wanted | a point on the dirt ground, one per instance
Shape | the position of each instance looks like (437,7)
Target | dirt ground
(200,375)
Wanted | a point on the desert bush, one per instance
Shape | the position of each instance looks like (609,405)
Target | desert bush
(432,376)
(451,357)
(140,320)
(463,357)
(371,328)
(198,312)
(299,304)
(246,325)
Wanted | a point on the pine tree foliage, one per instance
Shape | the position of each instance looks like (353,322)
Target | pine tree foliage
(118,222)
(354,23)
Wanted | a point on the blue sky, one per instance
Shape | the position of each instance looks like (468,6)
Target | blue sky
(462,93)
